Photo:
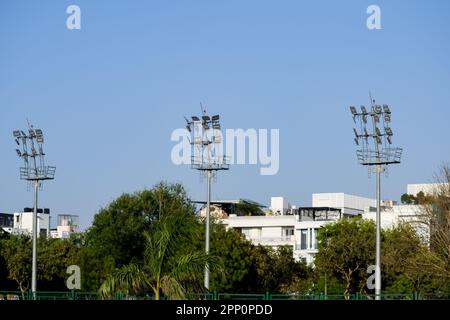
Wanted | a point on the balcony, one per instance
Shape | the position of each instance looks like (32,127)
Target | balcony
(273,241)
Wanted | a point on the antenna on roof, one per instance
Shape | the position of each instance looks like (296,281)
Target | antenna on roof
(372,101)
(203,109)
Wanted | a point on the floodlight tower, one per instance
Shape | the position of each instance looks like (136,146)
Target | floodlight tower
(206,142)
(34,171)
(378,154)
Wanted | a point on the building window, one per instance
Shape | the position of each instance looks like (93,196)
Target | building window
(303,238)
(316,242)
(288,232)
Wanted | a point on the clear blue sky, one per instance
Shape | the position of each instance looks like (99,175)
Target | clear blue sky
(109,95)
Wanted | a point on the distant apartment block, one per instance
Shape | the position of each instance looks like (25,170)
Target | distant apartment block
(298,227)
(21,223)
(426,188)
(350,205)
(67,224)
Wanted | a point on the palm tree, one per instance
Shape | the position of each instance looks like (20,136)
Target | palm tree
(170,265)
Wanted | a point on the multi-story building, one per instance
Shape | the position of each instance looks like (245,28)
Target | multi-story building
(279,206)
(67,224)
(298,230)
(23,222)
(308,222)
(350,205)
(271,231)
(284,224)
(222,209)
(426,188)
(411,214)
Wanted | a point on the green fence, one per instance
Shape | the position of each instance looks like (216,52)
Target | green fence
(77,295)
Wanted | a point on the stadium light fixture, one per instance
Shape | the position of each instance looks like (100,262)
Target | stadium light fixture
(207,159)
(379,157)
(34,171)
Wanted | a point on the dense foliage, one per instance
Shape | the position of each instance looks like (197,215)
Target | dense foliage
(151,243)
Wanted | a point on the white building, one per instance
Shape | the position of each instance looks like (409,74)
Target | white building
(23,222)
(271,231)
(299,227)
(410,214)
(426,188)
(279,205)
(298,230)
(350,205)
(308,222)
(67,224)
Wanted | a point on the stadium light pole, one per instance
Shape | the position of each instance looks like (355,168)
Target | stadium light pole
(34,171)
(206,139)
(377,156)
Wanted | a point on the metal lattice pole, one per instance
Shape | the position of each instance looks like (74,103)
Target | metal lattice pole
(34,262)
(376,156)
(378,238)
(207,235)
(33,171)
(206,139)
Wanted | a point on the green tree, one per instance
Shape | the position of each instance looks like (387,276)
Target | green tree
(171,265)
(235,256)
(346,249)
(247,268)
(434,216)
(116,237)
(407,199)
(401,252)
(16,251)
(245,208)
(5,282)
(278,271)
(54,256)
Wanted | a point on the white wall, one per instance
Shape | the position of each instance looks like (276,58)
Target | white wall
(349,204)
(264,230)
(390,217)
(426,188)
(312,229)
(259,221)
(23,222)
(280,204)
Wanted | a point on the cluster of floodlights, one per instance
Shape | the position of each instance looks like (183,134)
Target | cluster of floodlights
(205,133)
(34,171)
(206,121)
(382,152)
(32,154)
(378,155)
